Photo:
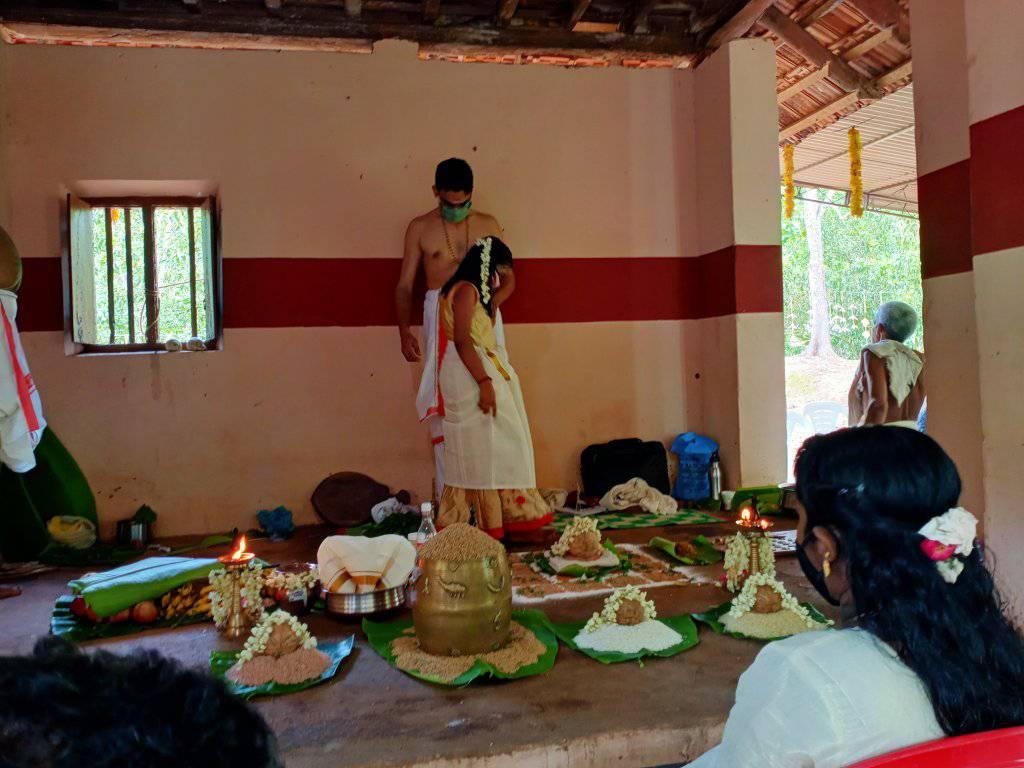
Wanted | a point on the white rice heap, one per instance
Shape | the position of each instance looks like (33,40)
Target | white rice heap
(603,633)
(737,558)
(575,527)
(792,619)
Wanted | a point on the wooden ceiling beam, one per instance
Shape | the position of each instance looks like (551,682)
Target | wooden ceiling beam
(431,10)
(506,10)
(841,73)
(579,8)
(885,14)
(272,6)
(354,8)
(803,84)
(740,23)
(638,20)
(877,39)
(296,21)
(806,16)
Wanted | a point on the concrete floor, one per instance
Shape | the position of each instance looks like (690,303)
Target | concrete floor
(580,713)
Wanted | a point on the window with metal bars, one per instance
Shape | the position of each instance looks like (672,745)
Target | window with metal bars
(144,272)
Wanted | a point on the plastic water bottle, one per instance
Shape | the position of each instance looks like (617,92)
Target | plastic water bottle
(715,475)
(427,531)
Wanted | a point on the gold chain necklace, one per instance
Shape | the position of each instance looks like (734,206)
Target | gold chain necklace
(448,242)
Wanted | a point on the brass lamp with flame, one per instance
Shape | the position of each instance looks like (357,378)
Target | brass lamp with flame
(239,619)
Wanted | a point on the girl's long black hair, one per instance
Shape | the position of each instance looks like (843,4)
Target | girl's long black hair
(875,487)
(469,268)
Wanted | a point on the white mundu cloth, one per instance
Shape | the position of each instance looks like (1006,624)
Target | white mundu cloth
(429,404)
(21,412)
(823,700)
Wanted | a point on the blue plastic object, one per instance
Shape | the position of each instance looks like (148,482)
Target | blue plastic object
(276,522)
(694,452)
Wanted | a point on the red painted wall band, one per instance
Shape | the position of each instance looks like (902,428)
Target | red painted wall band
(290,293)
(944,201)
(997,182)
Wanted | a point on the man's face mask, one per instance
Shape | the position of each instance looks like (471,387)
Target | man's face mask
(816,577)
(455,212)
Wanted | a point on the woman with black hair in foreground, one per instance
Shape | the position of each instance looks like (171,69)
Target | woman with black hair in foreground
(62,708)
(927,651)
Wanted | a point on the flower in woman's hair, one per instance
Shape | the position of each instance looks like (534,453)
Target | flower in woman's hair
(950,569)
(937,551)
(957,528)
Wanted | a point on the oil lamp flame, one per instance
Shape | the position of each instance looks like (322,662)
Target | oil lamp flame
(239,555)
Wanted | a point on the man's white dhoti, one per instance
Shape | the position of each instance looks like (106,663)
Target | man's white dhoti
(429,403)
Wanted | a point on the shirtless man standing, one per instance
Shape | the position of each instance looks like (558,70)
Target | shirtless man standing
(438,240)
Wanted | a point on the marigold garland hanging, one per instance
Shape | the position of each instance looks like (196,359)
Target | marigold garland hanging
(856,182)
(787,179)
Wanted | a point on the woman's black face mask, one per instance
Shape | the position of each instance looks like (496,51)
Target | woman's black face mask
(816,577)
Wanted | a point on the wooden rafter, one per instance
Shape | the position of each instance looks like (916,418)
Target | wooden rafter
(852,54)
(354,8)
(841,73)
(893,76)
(579,8)
(808,14)
(638,20)
(803,84)
(272,6)
(740,23)
(884,14)
(224,20)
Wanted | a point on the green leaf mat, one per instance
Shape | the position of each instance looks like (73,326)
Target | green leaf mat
(381,635)
(706,553)
(222,661)
(682,624)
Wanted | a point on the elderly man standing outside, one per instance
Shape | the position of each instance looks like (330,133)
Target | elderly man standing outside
(888,387)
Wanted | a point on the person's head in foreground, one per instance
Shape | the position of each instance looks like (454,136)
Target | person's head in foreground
(883,537)
(61,707)
(480,268)
(894,321)
(453,186)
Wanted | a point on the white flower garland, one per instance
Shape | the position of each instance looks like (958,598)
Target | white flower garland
(485,268)
(575,527)
(745,600)
(256,644)
(737,558)
(608,613)
(252,587)
(275,579)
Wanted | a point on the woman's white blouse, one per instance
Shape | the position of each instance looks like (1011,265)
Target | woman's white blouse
(823,700)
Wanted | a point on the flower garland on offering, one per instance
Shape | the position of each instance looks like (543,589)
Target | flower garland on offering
(856,180)
(251,588)
(608,614)
(744,601)
(256,645)
(738,557)
(485,269)
(787,179)
(576,527)
(275,579)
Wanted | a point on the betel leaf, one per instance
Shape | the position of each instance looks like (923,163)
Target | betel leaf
(713,618)
(682,624)
(222,661)
(706,552)
(382,634)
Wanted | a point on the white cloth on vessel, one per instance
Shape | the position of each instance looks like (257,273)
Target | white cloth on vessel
(823,700)
(637,492)
(358,564)
(21,411)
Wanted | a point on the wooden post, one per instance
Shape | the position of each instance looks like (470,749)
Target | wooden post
(152,298)
(129,272)
(110,274)
(192,269)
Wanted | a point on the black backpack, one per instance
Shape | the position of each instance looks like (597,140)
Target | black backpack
(609,464)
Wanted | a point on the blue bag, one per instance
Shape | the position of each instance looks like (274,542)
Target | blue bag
(694,452)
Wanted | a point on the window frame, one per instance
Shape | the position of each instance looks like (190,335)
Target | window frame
(148,204)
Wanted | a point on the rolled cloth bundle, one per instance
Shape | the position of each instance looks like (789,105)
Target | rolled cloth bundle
(637,493)
(357,564)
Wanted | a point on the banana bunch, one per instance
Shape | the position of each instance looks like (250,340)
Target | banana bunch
(192,599)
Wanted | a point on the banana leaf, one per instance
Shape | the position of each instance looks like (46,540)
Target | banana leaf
(706,553)
(222,661)
(713,618)
(682,624)
(382,635)
(63,623)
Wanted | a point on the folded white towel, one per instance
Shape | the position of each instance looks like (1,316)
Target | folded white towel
(357,564)
(638,493)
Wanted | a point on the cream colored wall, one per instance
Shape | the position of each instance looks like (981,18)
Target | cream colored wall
(995,56)
(325,155)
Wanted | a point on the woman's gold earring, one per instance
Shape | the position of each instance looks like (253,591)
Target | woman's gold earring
(826,567)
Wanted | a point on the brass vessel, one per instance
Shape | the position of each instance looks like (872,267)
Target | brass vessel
(463,608)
